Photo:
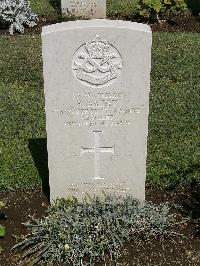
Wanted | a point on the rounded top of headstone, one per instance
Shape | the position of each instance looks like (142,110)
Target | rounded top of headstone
(95,23)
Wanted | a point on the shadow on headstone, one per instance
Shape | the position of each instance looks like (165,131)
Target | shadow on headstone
(56,5)
(194,6)
(38,149)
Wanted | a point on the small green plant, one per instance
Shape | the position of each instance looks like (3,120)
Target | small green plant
(2,228)
(159,8)
(2,231)
(93,229)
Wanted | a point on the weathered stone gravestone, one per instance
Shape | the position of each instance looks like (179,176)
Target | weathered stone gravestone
(97,80)
(86,9)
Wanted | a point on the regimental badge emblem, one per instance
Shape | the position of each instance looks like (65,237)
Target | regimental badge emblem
(97,63)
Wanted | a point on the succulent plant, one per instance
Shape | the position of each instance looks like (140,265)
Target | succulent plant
(93,229)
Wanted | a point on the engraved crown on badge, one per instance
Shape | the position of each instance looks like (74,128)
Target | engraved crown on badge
(97,48)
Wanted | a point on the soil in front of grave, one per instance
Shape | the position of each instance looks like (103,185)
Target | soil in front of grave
(187,23)
(185,202)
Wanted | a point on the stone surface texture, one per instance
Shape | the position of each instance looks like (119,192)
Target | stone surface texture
(97,82)
(86,9)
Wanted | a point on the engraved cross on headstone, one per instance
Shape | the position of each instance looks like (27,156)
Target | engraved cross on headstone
(97,150)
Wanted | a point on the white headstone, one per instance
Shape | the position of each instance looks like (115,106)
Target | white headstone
(86,9)
(97,81)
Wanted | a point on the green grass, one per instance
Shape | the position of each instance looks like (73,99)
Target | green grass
(22,108)
(44,7)
(125,8)
(173,147)
(174,124)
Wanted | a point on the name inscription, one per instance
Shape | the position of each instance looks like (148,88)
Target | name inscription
(96,109)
